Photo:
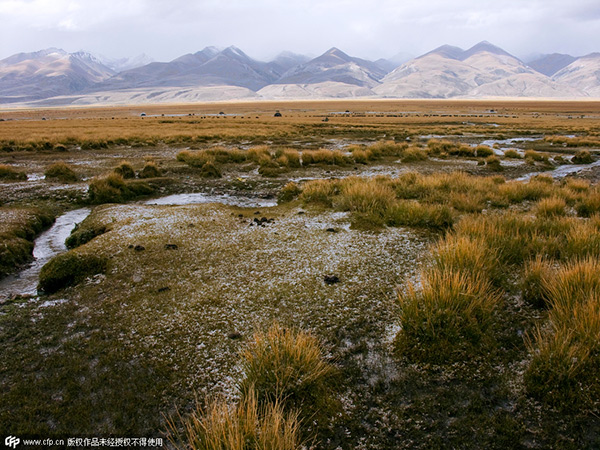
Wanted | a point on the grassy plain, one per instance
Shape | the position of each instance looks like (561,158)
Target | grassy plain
(422,292)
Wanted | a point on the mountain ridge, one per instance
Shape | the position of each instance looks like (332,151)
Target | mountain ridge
(484,70)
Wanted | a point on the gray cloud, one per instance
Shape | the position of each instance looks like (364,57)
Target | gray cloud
(263,28)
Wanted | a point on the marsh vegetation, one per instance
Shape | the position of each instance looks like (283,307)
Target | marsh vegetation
(409,290)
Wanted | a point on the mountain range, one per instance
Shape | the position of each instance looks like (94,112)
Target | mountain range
(55,77)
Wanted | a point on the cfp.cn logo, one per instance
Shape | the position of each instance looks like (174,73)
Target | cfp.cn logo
(12,441)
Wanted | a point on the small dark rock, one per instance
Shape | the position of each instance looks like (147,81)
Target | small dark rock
(191,225)
(164,289)
(235,335)
(130,246)
(264,219)
(240,215)
(331,279)
(171,247)
(301,212)
(257,213)
(139,248)
(256,220)
(331,230)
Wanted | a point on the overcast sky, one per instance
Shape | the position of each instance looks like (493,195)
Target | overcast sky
(166,29)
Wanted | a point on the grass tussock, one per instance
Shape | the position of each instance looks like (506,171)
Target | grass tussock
(246,425)
(289,192)
(62,172)
(582,157)
(447,318)
(580,141)
(483,151)
(285,366)
(413,154)
(512,154)
(114,189)
(324,157)
(566,356)
(532,156)
(469,256)
(125,170)
(69,269)
(150,170)
(536,275)
(550,207)
(436,147)
(9,173)
(588,205)
(415,214)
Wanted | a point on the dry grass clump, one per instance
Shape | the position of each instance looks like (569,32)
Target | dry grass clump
(588,204)
(582,157)
(514,236)
(114,189)
(536,274)
(444,147)
(324,156)
(493,163)
(582,239)
(483,151)
(550,207)
(577,185)
(415,214)
(288,157)
(512,153)
(469,256)
(257,153)
(210,170)
(413,154)
(566,357)
(9,173)
(533,156)
(194,159)
(286,367)
(62,172)
(246,425)
(387,148)
(447,318)
(363,195)
(289,192)
(320,192)
(468,202)
(590,141)
(518,192)
(150,170)
(125,169)
(361,156)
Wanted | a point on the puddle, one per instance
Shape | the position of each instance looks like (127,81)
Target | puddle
(49,244)
(506,144)
(561,171)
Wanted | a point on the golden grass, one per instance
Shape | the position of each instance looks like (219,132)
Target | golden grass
(8,172)
(124,124)
(449,314)
(62,172)
(286,367)
(246,425)
(566,357)
(550,207)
